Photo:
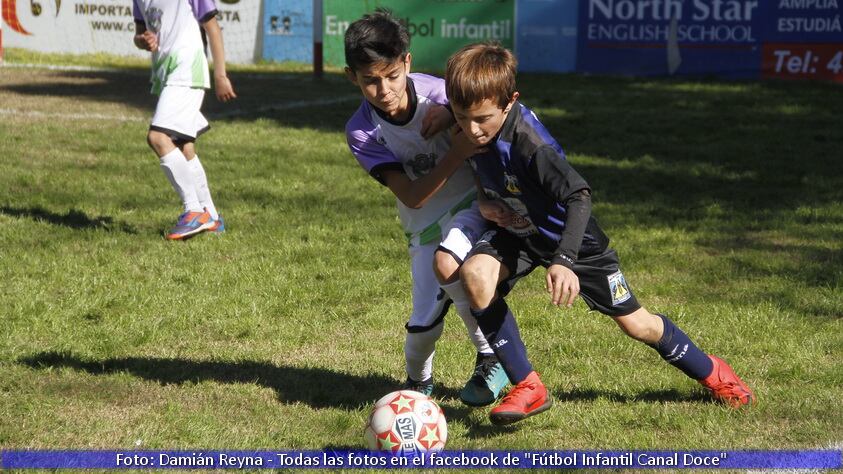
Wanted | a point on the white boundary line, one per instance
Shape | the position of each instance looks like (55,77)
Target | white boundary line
(230,114)
(270,75)
(70,116)
(58,67)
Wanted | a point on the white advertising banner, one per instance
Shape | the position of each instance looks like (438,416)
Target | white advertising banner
(107,26)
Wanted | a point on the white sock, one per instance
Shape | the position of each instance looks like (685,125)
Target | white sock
(175,167)
(460,299)
(418,351)
(203,192)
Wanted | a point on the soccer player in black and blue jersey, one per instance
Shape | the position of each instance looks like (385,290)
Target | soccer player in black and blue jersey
(542,207)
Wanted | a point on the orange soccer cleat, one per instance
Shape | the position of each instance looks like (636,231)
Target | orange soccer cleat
(726,386)
(526,399)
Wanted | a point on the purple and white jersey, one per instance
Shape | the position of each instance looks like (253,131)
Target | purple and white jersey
(381,145)
(180,59)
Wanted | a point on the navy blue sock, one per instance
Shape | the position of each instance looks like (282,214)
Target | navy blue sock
(498,325)
(677,349)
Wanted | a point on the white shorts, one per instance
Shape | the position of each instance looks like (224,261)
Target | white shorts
(430,302)
(177,113)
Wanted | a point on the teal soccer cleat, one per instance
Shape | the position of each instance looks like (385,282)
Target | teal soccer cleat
(486,383)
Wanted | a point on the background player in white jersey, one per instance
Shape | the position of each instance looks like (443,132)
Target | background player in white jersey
(398,136)
(170,29)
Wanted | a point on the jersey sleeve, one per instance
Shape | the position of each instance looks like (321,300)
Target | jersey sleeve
(136,12)
(431,87)
(559,180)
(372,156)
(203,10)
(556,176)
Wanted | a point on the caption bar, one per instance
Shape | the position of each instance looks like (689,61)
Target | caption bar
(49,459)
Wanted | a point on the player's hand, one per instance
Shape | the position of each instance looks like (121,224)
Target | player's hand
(461,146)
(147,41)
(496,211)
(436,119)
(224,89)
(562,284)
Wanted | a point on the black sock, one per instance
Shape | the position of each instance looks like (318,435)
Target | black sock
(498,325)
(679,351)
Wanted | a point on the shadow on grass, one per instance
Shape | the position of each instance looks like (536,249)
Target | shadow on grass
(650,396)
(74,219)
(315,386)
(481,428)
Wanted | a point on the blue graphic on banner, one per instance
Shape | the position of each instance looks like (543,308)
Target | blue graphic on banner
(288,30)
(547,35)
(28,459)
(670,37)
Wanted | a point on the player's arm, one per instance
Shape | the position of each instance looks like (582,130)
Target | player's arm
(561,181)
(415,193)
(437,119)
(143,38)
(222,85)
(493,210)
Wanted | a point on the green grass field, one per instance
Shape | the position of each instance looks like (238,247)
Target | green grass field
(724,201)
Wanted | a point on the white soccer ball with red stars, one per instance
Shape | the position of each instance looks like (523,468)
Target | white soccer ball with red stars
(406,422)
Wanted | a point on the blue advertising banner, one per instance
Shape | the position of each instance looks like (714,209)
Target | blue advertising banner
(643,37)
(42,459)
(288,30)
(727,38)
(547,35)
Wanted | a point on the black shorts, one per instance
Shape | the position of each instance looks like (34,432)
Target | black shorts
(602,285)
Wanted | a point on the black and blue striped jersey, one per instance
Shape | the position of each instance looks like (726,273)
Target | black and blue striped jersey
(526,168)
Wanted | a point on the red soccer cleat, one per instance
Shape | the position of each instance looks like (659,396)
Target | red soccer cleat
(526,399)
(726,386)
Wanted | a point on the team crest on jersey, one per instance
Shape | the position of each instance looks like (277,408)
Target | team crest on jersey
(422,163)
(511,183)
(618,288)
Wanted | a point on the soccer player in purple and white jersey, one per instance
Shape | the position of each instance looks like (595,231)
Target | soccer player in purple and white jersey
(398,136)
(170,29)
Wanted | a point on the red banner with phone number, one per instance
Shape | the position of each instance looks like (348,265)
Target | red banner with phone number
(803,61)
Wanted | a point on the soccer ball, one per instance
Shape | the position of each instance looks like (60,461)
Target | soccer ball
(406,423)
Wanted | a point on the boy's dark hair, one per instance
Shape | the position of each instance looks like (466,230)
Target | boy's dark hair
(378,37)
(481,71)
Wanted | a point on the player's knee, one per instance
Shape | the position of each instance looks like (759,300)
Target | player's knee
(445,267)
(641,326)
(159,142)
(478,283)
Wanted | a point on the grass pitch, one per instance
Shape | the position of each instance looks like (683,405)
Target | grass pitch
(724,201)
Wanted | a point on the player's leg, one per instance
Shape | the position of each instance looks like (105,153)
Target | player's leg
(175,121)
(430,304)
(604,288)
(494,260)
(203,192)
(488,377)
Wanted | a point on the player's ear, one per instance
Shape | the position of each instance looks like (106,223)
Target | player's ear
(511,102)
(408,60)
(349,73)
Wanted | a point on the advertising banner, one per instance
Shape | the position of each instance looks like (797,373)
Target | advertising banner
(437,27)
(727,38)
(547,35)
(803,40)
(288,30)
(107,26)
